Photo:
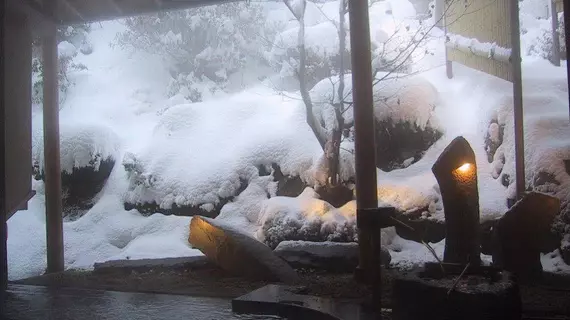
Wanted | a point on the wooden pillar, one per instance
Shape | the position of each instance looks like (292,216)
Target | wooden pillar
(54,220)
(3,215)
(567,40)
(364,144)
(517,99)
(555,59)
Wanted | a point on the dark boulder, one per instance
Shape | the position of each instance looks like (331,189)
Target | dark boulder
(287,186)
(400,144)
(81,186)
(520,234)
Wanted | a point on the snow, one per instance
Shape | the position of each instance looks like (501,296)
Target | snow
(226,146)
(124,107)
(306,216)
(81,145)
(66,50)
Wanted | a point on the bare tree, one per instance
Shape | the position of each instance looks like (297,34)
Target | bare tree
(330,139)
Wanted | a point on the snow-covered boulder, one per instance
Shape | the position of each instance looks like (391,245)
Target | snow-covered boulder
(333,256)
(405,124)
(305,217)
(88,155)
(238,252)
(201,155)
(404,110)
(547,146)
(66,49)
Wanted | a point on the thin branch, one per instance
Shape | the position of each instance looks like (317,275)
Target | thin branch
(458,278)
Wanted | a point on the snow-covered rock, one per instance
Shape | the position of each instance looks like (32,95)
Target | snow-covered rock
(334,256)
(305,218)
(66,49)
(202,153)
(88,155)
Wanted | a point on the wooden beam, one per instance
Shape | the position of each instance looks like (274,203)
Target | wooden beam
(116,7)
(140,10)
(54,220)
(158,4)
(39,19)
(73,9)
(3,220)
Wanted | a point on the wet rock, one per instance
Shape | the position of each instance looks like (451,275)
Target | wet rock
(520,234)
(331,256)
(400,144)
(237,252)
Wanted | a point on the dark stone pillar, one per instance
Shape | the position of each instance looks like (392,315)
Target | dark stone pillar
(456,173)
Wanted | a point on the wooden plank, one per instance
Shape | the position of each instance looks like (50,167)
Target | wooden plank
(54,220)
(488,21)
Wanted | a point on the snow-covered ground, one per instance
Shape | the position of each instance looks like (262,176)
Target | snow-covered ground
(196,153)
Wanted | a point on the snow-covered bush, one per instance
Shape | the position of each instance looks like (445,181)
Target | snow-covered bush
(210,42)
(306,218)
(69,38)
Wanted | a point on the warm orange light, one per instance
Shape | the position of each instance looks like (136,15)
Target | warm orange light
(466,167)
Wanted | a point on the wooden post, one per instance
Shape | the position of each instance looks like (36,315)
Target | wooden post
(3,215)
(517,99)
(366,184)
(567,40)
(54,220)
(555,34)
